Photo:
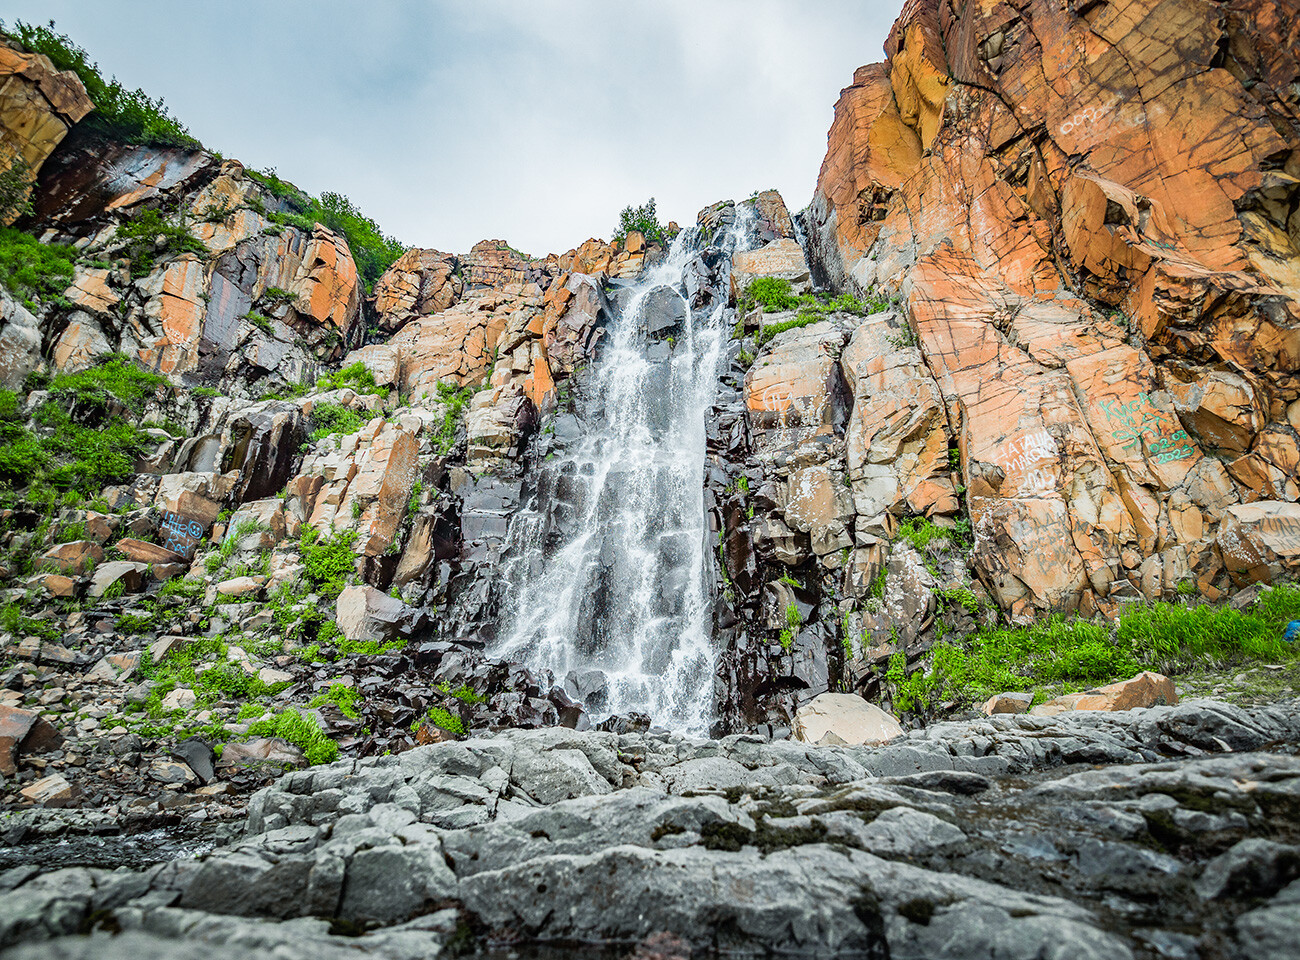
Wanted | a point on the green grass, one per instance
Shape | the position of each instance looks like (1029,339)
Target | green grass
(34,271)
(1168,638)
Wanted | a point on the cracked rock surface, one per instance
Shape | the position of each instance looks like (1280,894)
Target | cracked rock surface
(1166,832)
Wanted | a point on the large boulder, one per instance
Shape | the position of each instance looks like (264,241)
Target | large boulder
(844,718)
(364,613)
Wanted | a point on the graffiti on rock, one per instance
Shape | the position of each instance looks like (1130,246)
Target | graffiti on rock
(1138,426)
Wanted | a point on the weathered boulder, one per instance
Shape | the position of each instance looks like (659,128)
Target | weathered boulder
(1147,689)
(418,284)
(364,613)
(24,732)
(844,718)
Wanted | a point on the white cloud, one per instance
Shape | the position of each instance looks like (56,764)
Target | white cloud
(534,122)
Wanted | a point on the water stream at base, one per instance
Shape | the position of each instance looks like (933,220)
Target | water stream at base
(608,565)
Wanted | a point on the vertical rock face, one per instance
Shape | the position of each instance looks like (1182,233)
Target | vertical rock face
(228,294)
(1091,214)
(38,105)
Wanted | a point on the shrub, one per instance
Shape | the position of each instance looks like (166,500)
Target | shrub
(129,115)
(332,418)
(327,563)
(113,376)
(443,719)
(34,271)
(644,219)
(356,376)
(142,233)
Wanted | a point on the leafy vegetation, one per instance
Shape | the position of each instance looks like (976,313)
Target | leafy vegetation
(143,234)
(356,376)
(644,219)
(1076,654)
(83,445)
(333,418)
(776,295)
(34,271)
(443,719)
(456,400)
(328,562)
(373,251)
(129,115)
(300,730)
(342,696)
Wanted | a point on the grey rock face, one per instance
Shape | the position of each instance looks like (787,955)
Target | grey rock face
(922,848)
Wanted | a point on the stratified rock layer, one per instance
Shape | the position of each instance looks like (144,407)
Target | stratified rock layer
(1090,212)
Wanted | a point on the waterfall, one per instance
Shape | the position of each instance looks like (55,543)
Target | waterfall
(608,564)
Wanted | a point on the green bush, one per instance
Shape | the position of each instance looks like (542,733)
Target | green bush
(333,418)
(443,719)
(129,115)
(113,376)
(328,562)
(371,249)
(32,270)
(644,219)
(356,376)
(142,233)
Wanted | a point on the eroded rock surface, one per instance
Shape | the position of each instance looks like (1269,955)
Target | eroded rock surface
(920,848)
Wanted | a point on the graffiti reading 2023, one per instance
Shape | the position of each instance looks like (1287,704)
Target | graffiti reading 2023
(1138,422)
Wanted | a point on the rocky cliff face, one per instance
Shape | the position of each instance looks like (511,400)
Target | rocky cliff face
(1090,214)
(1029,352)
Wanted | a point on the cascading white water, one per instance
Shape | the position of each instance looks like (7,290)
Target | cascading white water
(624,588)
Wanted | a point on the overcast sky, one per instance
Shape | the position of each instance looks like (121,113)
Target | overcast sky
(532,122)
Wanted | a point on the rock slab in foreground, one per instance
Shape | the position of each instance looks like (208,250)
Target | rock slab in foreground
(913,849)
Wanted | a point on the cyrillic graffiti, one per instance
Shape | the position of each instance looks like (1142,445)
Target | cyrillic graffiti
(1138,422)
